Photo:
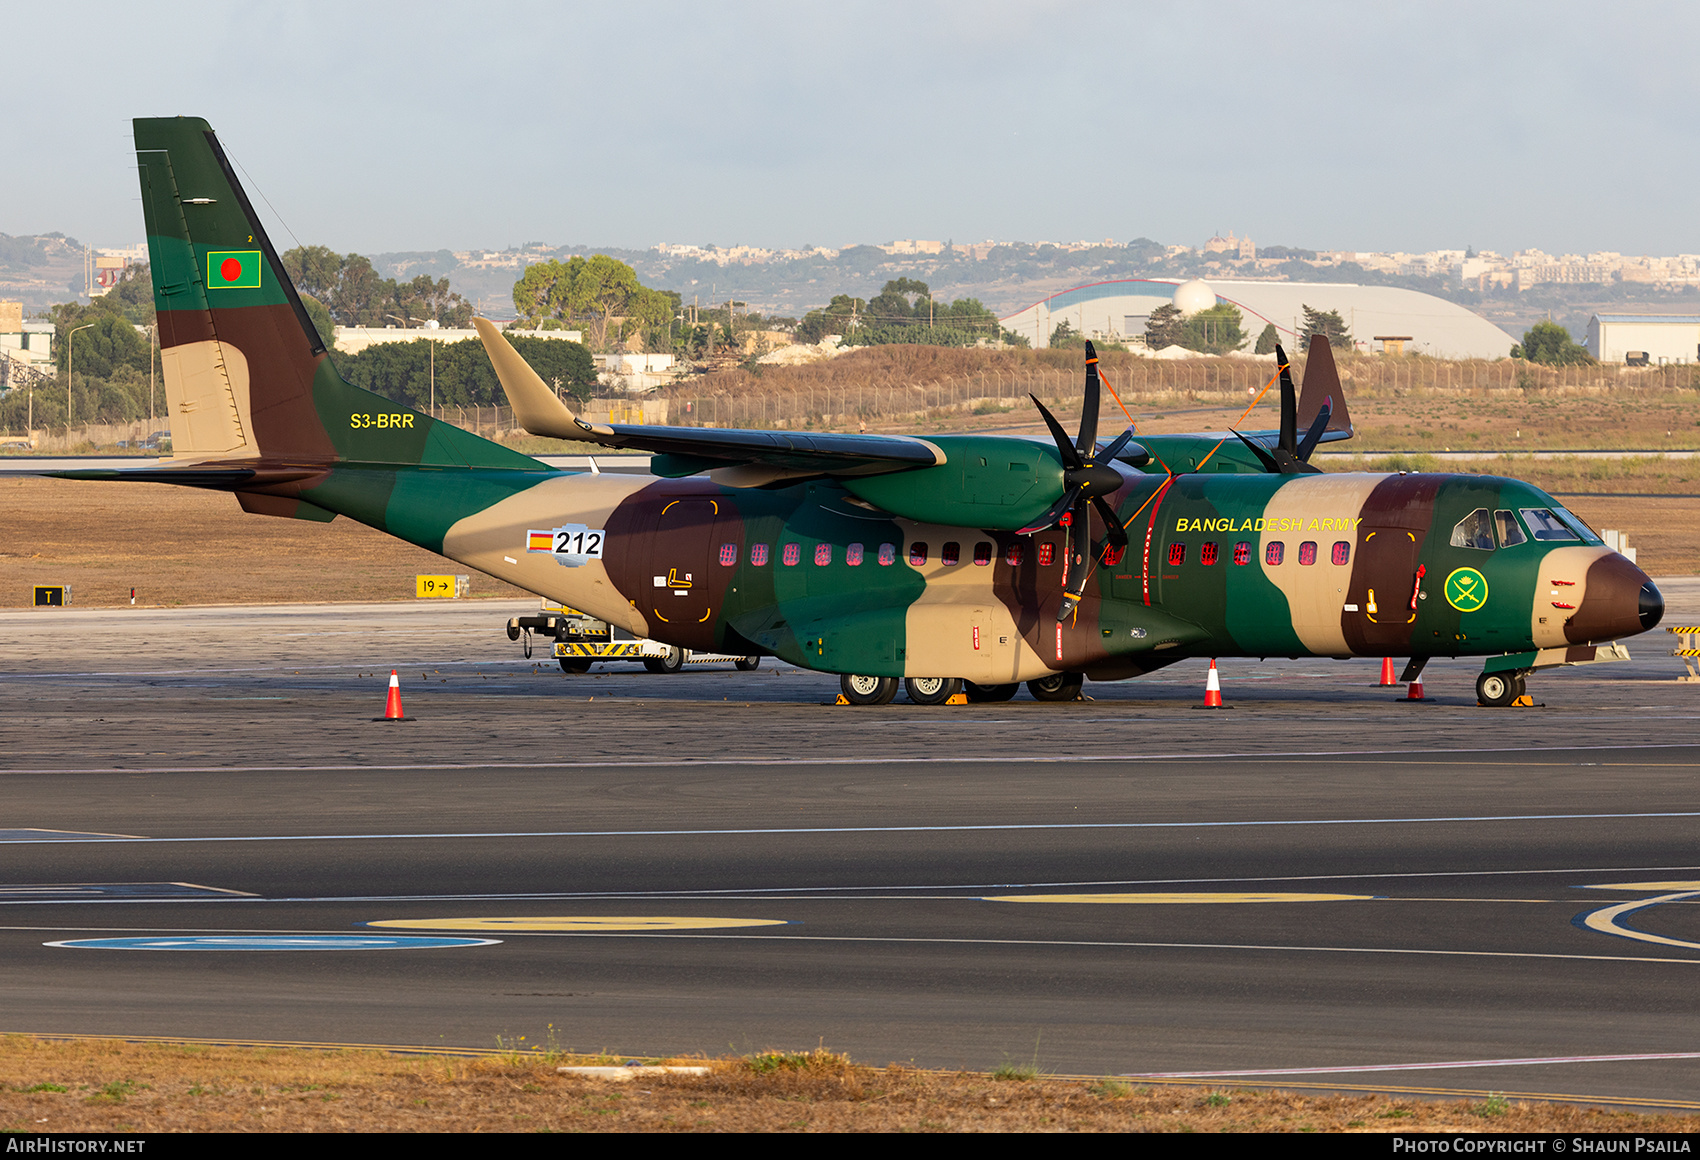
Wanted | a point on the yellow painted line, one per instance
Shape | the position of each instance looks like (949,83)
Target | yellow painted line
(1662,887)
(1605,920)
(598,924)
(1169,899)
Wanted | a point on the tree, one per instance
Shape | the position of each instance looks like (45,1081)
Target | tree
(593,291)
(1267,340)
(1213,331)
(353,294)
(1065,336)
(1548,342)
(1163,328)
(1327,323)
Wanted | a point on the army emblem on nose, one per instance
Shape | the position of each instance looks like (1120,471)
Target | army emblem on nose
(1466,589)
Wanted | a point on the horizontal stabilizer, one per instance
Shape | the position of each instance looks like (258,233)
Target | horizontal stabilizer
(788,455)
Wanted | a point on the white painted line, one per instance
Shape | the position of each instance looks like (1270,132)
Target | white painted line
(1531,1061)
(1002,759)
(751,831)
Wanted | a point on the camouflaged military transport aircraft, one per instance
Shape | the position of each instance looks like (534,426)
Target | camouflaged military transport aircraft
(966,561)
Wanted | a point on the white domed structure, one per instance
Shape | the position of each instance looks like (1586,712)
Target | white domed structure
(1193,296)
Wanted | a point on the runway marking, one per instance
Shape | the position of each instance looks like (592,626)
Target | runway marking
(1663,887)
(983,828)
(270,942)
(1605,919)
(761,762)
(576,923)
(35,834)
(1091,944)
(1167,899)
(1530,1061)
(118,891)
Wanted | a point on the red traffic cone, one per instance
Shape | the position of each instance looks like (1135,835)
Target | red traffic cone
(1415,693)
(1387,678)
(1212,688)
(392,704)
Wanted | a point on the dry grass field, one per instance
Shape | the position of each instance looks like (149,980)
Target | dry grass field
(115,1086)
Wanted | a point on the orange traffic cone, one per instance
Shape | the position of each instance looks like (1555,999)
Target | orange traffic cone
(1415,692)
(1212,688)
(1387,679)
(392,704)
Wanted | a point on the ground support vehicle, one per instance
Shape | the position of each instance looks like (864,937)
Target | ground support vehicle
(580,640)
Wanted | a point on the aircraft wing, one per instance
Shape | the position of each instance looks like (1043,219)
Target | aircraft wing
(754,457)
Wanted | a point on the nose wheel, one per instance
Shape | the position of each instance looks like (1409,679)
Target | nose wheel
(1497,690)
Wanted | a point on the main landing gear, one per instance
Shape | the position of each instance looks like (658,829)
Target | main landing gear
(862,690)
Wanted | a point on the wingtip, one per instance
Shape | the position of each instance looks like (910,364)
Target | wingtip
(536,407)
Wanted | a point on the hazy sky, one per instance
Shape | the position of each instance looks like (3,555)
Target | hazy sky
(379,127)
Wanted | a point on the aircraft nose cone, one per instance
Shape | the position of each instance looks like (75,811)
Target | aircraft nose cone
(1652,605)
(1619,600)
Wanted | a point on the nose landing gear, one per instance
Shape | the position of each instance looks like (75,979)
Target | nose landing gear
(1497,690)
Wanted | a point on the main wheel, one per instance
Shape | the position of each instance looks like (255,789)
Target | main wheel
(931,690)
(1498,689)
(1057,687)
(578,665)
(748,664)
(671,663)
(859,690)
(982,694)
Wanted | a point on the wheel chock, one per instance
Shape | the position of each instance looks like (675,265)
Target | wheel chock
(842,700)
(953,699)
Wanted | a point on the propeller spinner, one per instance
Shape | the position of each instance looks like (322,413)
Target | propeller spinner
(1088,476)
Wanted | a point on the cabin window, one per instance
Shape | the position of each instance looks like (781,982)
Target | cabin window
(1342,553)
(1012,556)
(918,553)
(1275,552)
(853,555)
(982,554)
(1242,552)
(951,554)
(1510,531)
(1177,555)
(1578,525)
(728,555)
(1207,553)
(1545,525)
(1047,553)
(1474,531)
(1307,553)
(888,555)
(758,554)
(823,555)
(791,555)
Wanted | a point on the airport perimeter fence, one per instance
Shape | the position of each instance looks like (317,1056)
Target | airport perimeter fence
(792,400)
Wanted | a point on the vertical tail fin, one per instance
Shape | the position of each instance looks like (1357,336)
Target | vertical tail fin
(1322,385)
(246,376)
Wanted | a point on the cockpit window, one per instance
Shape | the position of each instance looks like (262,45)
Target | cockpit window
(1474,531)
(1578,525)
(1545,525)
(1510,531)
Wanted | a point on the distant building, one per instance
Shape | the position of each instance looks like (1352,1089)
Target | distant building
(1644,339)
(1119,310)
(354,339)
(28,343)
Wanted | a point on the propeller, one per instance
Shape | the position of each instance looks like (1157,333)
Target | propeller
(1088,476)
(1291,455)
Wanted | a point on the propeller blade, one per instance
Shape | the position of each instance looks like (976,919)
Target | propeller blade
(1070,457)
(1113,530)
(1263,456)
(1289,441)
(1054,514)
(1314,435)
(1109,453)
(1089,405)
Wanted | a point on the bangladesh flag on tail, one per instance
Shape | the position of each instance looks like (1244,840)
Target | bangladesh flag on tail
(233,270)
